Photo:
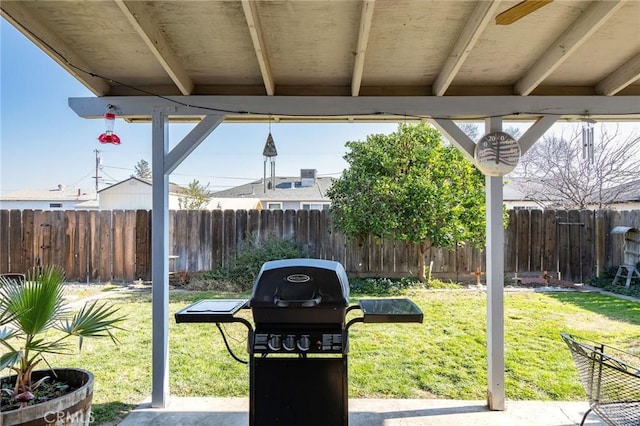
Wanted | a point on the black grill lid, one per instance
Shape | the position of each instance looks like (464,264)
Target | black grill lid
(296,283)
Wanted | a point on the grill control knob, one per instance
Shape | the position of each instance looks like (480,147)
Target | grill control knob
(289,342)
(275,343)
(304,343)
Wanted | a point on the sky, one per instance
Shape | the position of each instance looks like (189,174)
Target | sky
(43,143)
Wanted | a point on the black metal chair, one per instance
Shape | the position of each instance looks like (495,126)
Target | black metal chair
(19,278)
(611,380)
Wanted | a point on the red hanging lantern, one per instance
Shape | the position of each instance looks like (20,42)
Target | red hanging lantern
(108,136)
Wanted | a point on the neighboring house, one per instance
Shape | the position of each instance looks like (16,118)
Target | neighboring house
(234,204)
(515,199)
(625,196)
(306,192)
(134,194)
(60,198)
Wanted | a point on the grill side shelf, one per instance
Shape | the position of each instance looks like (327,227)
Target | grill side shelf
(211,310)
(390,311)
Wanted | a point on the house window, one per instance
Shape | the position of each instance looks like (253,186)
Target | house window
(55,205)
(274,206)
(314,206)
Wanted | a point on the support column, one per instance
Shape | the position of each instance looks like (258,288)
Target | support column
(495,284)
(163,163)
(159,262)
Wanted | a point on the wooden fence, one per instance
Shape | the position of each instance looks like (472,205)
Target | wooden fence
(100,246)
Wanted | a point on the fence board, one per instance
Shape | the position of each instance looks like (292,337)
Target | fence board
(588,262)
(229,235)
(71,243)
(510,239)
(180,241)
(117,220)
(302,230)
(58,236)
(5,244)
(83,246)
(615,254)
(27,239)
(241,228)
(129,267)
(314,237)
(16,252)
(217,238)
(192,244)
(536,240)
(266,219)
(549,249)
(523,240)
(204,243)
(143,245)
(105,238)
(253,224)
(289,225)
(94,238)
(562,242)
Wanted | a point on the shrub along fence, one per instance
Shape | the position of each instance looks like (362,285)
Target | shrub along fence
(100,246)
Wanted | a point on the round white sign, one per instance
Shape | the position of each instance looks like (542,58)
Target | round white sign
(497,153)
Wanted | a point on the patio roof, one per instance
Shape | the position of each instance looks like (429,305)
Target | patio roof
(327,48)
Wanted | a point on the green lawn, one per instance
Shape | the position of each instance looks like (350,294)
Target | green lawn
(445,357)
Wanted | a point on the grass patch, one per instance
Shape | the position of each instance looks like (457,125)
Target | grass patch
(445,357)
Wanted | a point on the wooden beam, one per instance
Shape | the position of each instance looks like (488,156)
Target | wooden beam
(366,17)
(255,30)
(191,141)
(319,108)
(456,136)
(476,24)
(535,132)
(142,22)
(620,78)
(577,33)
(19,16)
(519,11)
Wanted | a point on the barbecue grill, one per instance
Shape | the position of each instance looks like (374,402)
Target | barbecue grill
(298,342)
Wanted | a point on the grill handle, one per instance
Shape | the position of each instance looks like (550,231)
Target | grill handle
(305,303)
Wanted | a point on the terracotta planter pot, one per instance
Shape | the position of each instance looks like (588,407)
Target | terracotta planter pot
(73,408)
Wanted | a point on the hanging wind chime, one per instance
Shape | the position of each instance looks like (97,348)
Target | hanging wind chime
(587,139)
(269,152)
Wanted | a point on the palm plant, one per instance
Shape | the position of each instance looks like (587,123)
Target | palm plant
(36,320)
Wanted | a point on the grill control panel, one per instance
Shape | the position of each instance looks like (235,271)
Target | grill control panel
(299,341)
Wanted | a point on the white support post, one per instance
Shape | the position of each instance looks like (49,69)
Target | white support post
(495,285)
(159,260)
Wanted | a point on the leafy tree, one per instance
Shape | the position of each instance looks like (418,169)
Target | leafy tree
(195,197)
(554,171)
(410,186)
(143,170)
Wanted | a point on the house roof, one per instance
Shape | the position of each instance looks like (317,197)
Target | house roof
(626,192)
(434,49)
(173,188)
(286,189)
(57,194)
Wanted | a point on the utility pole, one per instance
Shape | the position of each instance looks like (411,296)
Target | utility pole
(97,177)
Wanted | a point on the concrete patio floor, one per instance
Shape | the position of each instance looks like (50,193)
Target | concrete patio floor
(373,412)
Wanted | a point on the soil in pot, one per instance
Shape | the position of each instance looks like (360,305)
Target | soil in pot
(67,391)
